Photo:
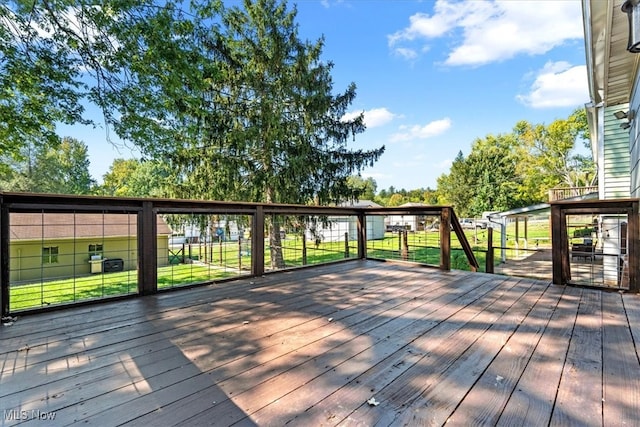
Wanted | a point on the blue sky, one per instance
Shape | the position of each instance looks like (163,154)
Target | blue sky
(433,76)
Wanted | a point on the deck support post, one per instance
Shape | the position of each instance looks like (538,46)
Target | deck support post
(147,250)
(362,235)
(257,242)
(346,245)
(490,259)
(445,238)
(561,273)
(4,259)
(304,248)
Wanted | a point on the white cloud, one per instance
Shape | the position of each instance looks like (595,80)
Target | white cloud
(488,31)
(445,164)
(328,3)
(406,53)
(429,130)
(373,118)
(558,84)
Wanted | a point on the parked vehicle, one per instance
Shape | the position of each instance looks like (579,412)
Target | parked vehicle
(470,224)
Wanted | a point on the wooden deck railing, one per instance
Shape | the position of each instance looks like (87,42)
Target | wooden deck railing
(570,192)
(621,241)
(145,213)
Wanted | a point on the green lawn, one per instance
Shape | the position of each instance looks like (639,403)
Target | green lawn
(228,259)
(108,284)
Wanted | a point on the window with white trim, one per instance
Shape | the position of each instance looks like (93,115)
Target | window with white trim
(50,255)
(96,249)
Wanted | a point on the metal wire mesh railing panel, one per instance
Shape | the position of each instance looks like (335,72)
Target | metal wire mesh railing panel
(598,245)
(60,258)
(520,262)
(204,247)
(300,240)
(522,247)
(413,238)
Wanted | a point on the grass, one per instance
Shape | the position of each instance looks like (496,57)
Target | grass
(229,259)
(108,284)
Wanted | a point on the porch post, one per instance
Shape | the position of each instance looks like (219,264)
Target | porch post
(559,246)
(362,235)
(4,259)
(445,239)
(147,250)
(257,242)
(490,257)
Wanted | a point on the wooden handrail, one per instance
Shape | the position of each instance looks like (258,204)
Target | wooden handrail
(147,210)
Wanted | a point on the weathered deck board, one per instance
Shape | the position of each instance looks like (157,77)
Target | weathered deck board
(579,400)
(378,378)
(310,347)
(531,404)
(621,377)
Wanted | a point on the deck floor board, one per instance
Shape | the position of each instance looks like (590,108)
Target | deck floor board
(312,346)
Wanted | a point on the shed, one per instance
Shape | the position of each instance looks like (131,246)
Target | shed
(336,228)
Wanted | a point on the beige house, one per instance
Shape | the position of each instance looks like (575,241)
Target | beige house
(63,245)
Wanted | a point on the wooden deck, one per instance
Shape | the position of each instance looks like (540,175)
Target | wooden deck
(312,347)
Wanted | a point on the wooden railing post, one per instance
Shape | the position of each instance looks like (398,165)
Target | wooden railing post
(559,246)
(445,239)
(5,274)
(490,259)
(147,250)
(257,242)
(362,235)
(304,248)
(346,245)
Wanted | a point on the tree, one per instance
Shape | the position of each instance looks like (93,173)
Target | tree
(135,178)
(39,79)
(138,61)
(517,169)
(486,180)
(274,131)
(62,170)
(364,188)
(232,99)
(551,155)
(396,199)
(454,186)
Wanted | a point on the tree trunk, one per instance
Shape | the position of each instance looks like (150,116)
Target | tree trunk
(275,242)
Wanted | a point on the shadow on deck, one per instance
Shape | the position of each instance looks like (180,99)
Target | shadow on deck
(361,343)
